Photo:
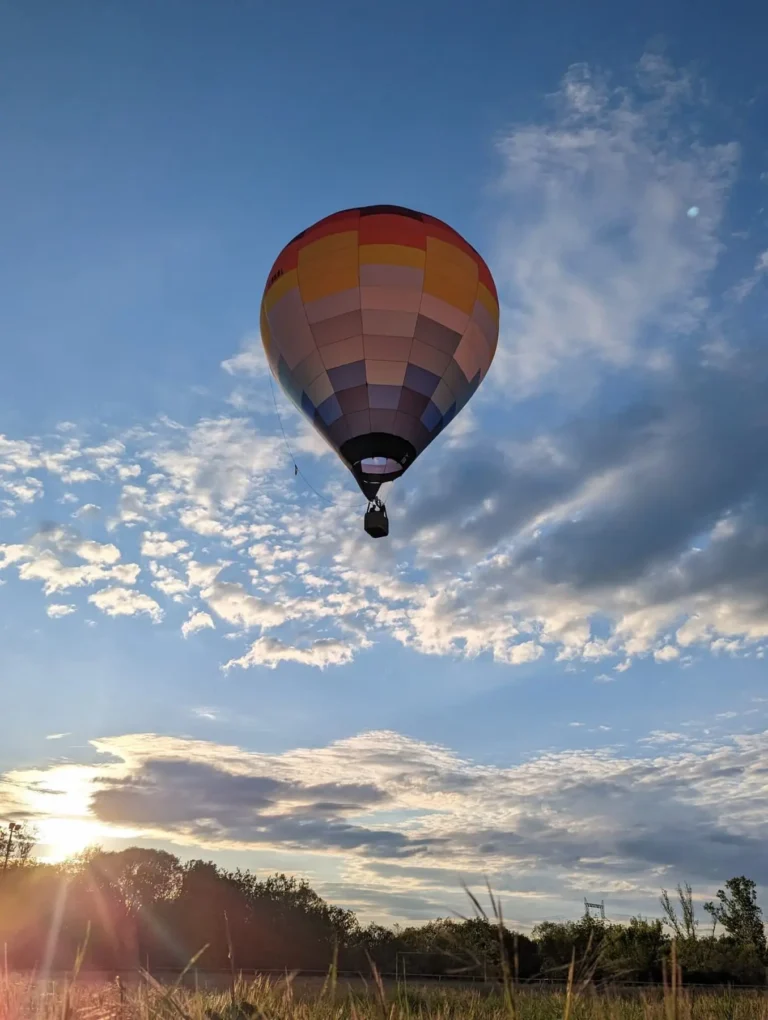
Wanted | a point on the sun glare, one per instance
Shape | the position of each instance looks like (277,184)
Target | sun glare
(61,838)
(73,827)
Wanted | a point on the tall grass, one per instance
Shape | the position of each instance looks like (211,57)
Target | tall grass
(295,998)
(289,999)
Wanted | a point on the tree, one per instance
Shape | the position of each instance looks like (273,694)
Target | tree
(685,926)
(557,941)
(635,950)
(739,913)
(142,877)
(17,841)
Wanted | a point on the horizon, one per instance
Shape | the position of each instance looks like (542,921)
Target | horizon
(552,672)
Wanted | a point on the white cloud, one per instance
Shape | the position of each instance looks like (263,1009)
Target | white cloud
(57,609)
(132,508)
(157,545)
(525,651)
(197,621)
(742,290)
(88,511)
(270,652)
(597,257)
(25,490)
(668,653)
(46,561)
(57,577)
(77,476)
(250,361)
(219,462)
(604,678)
(97,552)
(231,602)
(204,712)
(167,581)
(18,455)
(202,575)
(126,602)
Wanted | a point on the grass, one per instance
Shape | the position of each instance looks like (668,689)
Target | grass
(25,998)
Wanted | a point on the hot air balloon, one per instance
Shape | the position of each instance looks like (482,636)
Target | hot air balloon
(379,323)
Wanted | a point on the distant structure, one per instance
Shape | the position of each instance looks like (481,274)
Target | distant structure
(594,906)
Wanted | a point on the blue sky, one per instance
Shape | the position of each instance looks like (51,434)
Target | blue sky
(553,672)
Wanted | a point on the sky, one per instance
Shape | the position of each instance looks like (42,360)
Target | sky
(552,674)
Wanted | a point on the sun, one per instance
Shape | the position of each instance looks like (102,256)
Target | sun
(60,838)
(73,827)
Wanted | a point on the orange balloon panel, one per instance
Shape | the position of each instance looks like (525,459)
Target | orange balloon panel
(380,323)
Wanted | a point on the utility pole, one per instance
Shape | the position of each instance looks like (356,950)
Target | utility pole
(12,827)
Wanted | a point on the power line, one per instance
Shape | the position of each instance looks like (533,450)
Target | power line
(297,472)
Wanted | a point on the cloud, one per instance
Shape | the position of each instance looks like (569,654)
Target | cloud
(596,256)
(25,490)
(57,609)
(231,602)
(167,581)
(627,522)
(668,653)
(132,508)
(158,546)
(97,552)
(604,678)
(250,361)
(202,575)
(126,602)
(270,652)
(741,290)
(195,797)
(204,712)
(197,621)
(61,559)
(652,517)
(88,511)
(219,461)
(551,826)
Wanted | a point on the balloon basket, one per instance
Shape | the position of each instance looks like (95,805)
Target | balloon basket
(376,522)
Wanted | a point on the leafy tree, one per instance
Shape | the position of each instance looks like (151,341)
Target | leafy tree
(635,950)
(685,926)
(557,942)
(141,877)
(739,913)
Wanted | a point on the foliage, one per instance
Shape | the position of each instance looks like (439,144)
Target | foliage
(686,926)
(739,914)
(146,908)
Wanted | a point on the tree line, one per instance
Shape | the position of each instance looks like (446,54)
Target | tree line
(144,907)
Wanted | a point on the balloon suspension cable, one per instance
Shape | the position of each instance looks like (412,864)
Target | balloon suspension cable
(297,472)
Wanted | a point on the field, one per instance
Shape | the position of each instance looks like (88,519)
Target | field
(29,998)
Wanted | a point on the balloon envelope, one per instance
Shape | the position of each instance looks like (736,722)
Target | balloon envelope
(379,323)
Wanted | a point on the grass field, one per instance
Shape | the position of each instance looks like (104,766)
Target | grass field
(28,998)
